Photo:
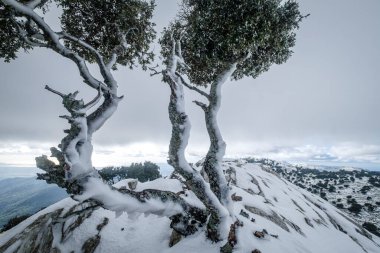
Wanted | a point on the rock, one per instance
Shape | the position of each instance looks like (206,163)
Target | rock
(132,185)
(234,197)
(227,248)
(253,220)
(100,226)
(256,251)
(259,234)
(91,244)
(174,238)
(244,214)
(232,239)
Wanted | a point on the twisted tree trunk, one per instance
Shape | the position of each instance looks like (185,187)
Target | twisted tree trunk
(181,126)
(213,161)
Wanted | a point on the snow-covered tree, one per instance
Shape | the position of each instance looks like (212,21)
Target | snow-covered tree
(105,33)
(208,44)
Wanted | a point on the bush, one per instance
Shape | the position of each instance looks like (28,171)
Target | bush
(371,228)
(332,189)
(355,208)
(142,172)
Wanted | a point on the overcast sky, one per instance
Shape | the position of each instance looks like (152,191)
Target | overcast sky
(322,106)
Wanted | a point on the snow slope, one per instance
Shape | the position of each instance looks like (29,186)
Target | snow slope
(291,219)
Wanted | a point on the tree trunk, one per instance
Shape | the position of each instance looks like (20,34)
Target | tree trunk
(180,135)
(214,158)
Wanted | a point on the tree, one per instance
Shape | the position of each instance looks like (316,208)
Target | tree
(209,43)
(106,33)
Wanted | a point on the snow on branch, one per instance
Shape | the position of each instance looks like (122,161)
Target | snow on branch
(54,91)
(200,104)
(162,203)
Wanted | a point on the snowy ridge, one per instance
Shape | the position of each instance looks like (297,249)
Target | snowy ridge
(290,167)
(284,217)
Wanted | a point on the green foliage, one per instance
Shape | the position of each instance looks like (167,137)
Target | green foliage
(101,24)
(143,172)
(10,39)
(109,26)
(214,34)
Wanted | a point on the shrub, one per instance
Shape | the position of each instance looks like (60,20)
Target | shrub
(371,228)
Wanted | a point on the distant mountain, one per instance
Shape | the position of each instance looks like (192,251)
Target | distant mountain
(289,167)
(26,196)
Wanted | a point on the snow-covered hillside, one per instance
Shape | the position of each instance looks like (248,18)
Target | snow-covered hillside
(275,216)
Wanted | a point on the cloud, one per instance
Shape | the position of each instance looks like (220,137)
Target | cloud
(366,156)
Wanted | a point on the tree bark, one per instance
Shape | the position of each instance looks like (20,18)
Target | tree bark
(214,158)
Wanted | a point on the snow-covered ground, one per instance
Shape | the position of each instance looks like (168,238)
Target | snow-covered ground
(290,218)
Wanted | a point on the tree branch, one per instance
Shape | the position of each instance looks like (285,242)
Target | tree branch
(24,35)
(104,68)
(94,101)
(201,105)
(36,3)
(191,87)
(154,71)
(54,91)
(150,201)
(54,41)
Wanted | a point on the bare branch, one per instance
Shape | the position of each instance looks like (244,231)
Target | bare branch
(94,101)
(66,117)
(192,87)
(154,71)
(54,91)
(201,105)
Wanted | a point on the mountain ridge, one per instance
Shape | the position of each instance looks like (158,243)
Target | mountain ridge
(276,216)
